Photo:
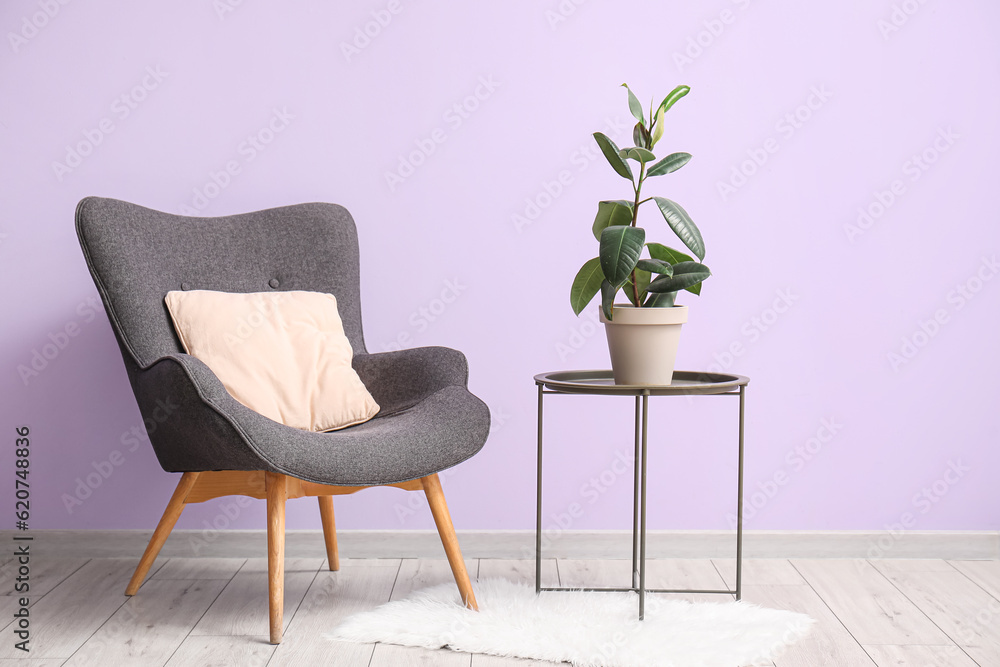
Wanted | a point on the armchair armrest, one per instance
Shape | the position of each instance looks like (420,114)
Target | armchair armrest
(191,420)
(399,380)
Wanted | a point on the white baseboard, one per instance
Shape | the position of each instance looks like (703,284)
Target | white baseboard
(960,545)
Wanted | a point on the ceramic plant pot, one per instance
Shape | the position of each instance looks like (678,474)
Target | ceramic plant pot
(643,342)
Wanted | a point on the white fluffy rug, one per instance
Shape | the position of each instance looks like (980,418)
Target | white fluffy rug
(585,629)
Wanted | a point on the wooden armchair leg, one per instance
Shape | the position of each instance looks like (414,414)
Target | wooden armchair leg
(162,532)
(276,489)
(442,518)
(329,531)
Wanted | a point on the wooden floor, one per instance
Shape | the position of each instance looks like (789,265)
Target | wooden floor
(213,611)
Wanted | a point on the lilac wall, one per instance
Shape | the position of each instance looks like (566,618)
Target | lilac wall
(856,106)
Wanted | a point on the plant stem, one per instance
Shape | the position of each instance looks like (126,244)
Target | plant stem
(635,216)
(638,189)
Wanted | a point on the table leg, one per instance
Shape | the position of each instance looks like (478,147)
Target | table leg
(642,527)
(739,507)
(538,500)
(635,497)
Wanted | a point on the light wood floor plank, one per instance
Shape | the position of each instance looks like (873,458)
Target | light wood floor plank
(871,608)
(312,565)
(915,564)
(683,573)
(418,573)
(69,614)
(44,575)
(578,573)
(519,570)
(969,615)
(8,605)
(223,652)
(986,573)
(357,586)
(887,655)
(199,568)
(759,572)
(242,608)
(660,573)
(33,662)
(387,655)
(828,644)
(671,573)
(148,628)
(479,660)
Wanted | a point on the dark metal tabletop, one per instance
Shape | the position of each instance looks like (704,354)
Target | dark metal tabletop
(602,382)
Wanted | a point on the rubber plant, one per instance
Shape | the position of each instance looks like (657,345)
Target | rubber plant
(620,264)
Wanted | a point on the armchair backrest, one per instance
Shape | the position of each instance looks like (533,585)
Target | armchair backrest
(136,255)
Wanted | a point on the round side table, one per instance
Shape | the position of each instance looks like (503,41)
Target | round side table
(601,382)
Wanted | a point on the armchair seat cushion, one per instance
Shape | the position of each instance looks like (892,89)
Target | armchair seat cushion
(442,430)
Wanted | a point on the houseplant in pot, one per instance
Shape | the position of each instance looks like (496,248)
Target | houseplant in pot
(643,333)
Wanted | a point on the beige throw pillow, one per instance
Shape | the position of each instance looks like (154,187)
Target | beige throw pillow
(282,354)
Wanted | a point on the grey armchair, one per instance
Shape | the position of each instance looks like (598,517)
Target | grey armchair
(428,421)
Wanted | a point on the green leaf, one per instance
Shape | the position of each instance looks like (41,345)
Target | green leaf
(671,163)
(608,292)
(634,106)
(637,154)
(655,266)
(660,251)
(586,284)
(620,250)
(657,128)
(683,225)
(667,254)
(640,136)
(610,213)
(675,94)
(610,151)
(686,274)
(642,278)
(660,299)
